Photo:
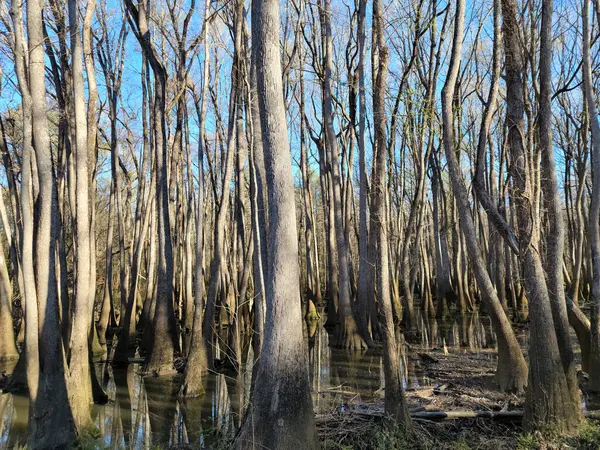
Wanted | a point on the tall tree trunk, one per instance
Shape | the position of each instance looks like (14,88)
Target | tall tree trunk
(258,206)
(107,315)
(8,349)
(555,237)
(197,363)
(50,420)
(218,267)
(594,219)
(163,342)
(549,401)
(395,404)
(511,372)
(347,333)
(280,414)
(365,292)
(80,388)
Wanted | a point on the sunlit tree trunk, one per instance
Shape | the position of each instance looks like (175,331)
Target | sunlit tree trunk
(594,228)
(280,414)
(395,404)
(511,372)
(197,364)
(80,388)
(549,400)
(50,421)
(347,333)
(163,341)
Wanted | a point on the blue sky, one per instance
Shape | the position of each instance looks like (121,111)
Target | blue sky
(399,35)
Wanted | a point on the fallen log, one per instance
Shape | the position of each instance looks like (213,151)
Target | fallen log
(443,415)
(495,415)
(439,415)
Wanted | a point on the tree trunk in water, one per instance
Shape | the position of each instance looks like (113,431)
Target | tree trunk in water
(80,387)
(395,404)
(218,265)
(107,316)
(511,372)
(163,341)
(441,248)
(197,364)
(50,420)
(280,414)
(347,333)
(366,287)
(30,354)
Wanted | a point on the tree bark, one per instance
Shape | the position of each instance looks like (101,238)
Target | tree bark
(511,373)
(50,421)
(280,414)
(395,404)
(594,219)
(197,363)
(80,388)
(163,341)
(347,332)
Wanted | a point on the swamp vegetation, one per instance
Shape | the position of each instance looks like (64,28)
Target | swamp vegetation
(299,224)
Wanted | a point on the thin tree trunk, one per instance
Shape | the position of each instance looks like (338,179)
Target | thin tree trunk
(347,333)
(511,372)
(80,387)
(197,363)
(395,404)
(594,219)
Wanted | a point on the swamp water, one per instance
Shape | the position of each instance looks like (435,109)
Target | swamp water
(144,412)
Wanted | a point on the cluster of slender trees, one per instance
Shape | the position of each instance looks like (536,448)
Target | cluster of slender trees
(174,169)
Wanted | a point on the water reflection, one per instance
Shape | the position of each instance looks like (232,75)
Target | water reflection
(143,412)
(472,331)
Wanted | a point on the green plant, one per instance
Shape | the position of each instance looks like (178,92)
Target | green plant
(527,442)
(589,436)
(461,444)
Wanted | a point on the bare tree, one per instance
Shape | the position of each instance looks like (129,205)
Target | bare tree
(280,412)
(594,230)
(511,373)
(164,343)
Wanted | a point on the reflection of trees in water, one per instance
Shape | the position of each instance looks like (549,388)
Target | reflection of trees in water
(415,375)
(4,398)
(146,412)
(124,393)
(356,372)
(122,422)
(161,393)
(14,411)
(235,391)
(202,421)
(198,414)
(469,330)
(318,360)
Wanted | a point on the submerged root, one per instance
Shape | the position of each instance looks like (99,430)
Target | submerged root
(347,335)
